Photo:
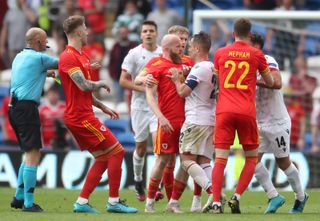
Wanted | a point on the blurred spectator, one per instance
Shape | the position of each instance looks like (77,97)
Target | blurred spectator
(164,18)
(118,52)
(67,9)
(9,136)
(95,50)
(297,116)
(94,12)
(15,25)
(315,125)
(220,37)
(3,10)
(130,18)
(287,44)
(303,86)
(51,118)
(144,7)
(260,4)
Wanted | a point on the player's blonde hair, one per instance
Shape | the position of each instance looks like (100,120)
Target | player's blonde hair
(178,29)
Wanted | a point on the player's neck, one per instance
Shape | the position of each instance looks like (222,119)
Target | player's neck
(201,58)
(76,44)
(246,40)
(150,47)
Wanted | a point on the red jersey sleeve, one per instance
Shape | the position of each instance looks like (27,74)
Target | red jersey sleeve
(152,67)
(69,64)
(263,67)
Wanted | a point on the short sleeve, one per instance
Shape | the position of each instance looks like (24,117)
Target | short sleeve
(273,64)
(128,62)
(49,62)
(69,65)
(263,67)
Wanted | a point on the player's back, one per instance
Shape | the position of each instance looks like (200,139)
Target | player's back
(236,66)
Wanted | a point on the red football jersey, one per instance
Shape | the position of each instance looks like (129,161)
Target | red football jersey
(78,102)
(236,66)
(170,103)
(48,115)
(186,60)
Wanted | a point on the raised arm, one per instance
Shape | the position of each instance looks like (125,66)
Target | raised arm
(87,85)
(177,77)
(127,83)
(276,78)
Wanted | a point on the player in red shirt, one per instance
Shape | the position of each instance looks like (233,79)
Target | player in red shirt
(169,110)
(91,135)
(50,112)
(236,66)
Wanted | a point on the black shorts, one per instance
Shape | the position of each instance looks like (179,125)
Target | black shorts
(25,120)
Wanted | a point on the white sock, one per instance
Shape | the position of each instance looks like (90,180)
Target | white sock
(173,201)
(207,168)
(237,195)
(113,200)
(263,178)
(138,163)
(82,200)
(197,173)
(294,180)
(149,201)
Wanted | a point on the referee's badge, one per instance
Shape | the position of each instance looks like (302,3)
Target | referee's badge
(103,128)
(164,146)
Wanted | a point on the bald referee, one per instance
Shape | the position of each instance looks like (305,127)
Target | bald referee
(29,71)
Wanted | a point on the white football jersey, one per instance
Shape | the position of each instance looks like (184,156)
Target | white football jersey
(201,103)
(133,63)
(270,105)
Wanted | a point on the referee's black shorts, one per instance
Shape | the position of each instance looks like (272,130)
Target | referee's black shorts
(25,120)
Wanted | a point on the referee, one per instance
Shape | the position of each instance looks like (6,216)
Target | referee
(29,71)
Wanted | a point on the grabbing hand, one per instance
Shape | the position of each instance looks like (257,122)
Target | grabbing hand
(149,80)
(95,65)
(102,84)
(51,73)
(176,74)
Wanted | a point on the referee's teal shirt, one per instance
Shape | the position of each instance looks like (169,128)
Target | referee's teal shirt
(29,72)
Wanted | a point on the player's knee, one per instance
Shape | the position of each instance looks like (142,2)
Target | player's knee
(186,164)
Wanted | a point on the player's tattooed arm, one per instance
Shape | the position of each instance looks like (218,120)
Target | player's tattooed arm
(87,85)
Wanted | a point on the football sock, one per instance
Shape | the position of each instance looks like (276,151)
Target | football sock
(207,168)
(20,186)
(138,163)
(197,173)
(82,200)
(262,175)
(178,188)
(30,181)
(93,178)
(246,174)
(197,190)
(153,187)
(113,200)
(218,177)
(294,180)
(167,180)
(114,173)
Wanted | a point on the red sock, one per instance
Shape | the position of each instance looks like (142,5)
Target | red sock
(178,188)
(93,178)
(197,190)
(153,187)
(246,174)
(114,173)
(167,179)
(217,177)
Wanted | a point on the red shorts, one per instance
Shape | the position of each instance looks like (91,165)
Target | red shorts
(90,133)
(168,143)
(228,123)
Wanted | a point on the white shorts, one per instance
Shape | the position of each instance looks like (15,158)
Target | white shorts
(197,140)
(143,123)
(275,139)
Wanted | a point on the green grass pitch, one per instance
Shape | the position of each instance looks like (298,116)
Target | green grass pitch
(57,204)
